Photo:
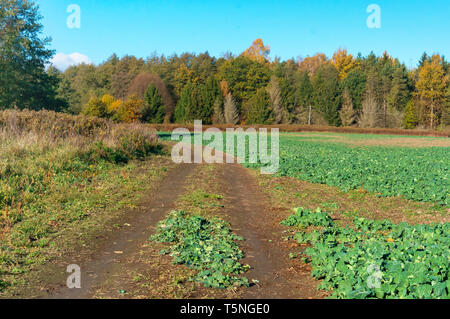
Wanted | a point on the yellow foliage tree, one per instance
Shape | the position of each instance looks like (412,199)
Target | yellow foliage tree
(95,107)
(431,87)
(258,51)
(343,62)
(108,99)
(112,105)
(129,111)
(183,75)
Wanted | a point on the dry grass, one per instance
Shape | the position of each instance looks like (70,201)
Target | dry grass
(48,128)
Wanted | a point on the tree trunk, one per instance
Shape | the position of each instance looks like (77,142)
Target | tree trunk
(309,116)
(432,115)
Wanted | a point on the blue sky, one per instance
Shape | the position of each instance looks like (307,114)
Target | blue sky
(291,28)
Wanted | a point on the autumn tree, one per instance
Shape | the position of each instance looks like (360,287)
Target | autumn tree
(112,105)
(95,107)
(224,88)
(411,119)
(275,102)
(312,64)
(243,77)
(129,111)
(431,88)
(218,115)
(258,52)
(182,76)
(370,114)
(347,113)
(231,112)
(343,62)
(310,90)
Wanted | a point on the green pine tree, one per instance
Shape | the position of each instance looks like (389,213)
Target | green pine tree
(257,108)
(24,82)
(184,105)
(153,110)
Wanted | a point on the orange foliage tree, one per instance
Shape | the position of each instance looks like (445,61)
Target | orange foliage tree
(129,111)
(311,64)
(258,51)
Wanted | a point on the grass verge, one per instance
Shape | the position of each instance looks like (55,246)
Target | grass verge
(59,171)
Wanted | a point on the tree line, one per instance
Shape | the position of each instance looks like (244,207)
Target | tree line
(249,88)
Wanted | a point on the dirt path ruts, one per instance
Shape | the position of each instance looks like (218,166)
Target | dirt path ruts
(116,247)
(252,217)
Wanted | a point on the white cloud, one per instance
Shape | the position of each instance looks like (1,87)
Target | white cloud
(62,61)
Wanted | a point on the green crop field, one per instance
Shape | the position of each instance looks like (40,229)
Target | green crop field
(401,260)
(420,174)
(370,258)
(416,173)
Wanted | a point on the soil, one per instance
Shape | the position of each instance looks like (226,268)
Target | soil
(107,265)
(252,216)
(114,247)
(413,142)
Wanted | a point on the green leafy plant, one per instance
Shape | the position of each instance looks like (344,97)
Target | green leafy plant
(206,245)
(406,261)
(304,218)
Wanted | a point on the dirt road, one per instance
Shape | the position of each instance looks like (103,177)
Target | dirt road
(246,208)
(254,218)
(115,247)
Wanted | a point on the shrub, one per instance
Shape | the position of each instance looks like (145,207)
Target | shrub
(51,124)
(95,107)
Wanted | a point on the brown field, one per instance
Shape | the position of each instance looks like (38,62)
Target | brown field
(313,128)
(401,141)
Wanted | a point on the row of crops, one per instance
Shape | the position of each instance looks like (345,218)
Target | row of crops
(420,174)
(375,259)
(206,245)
